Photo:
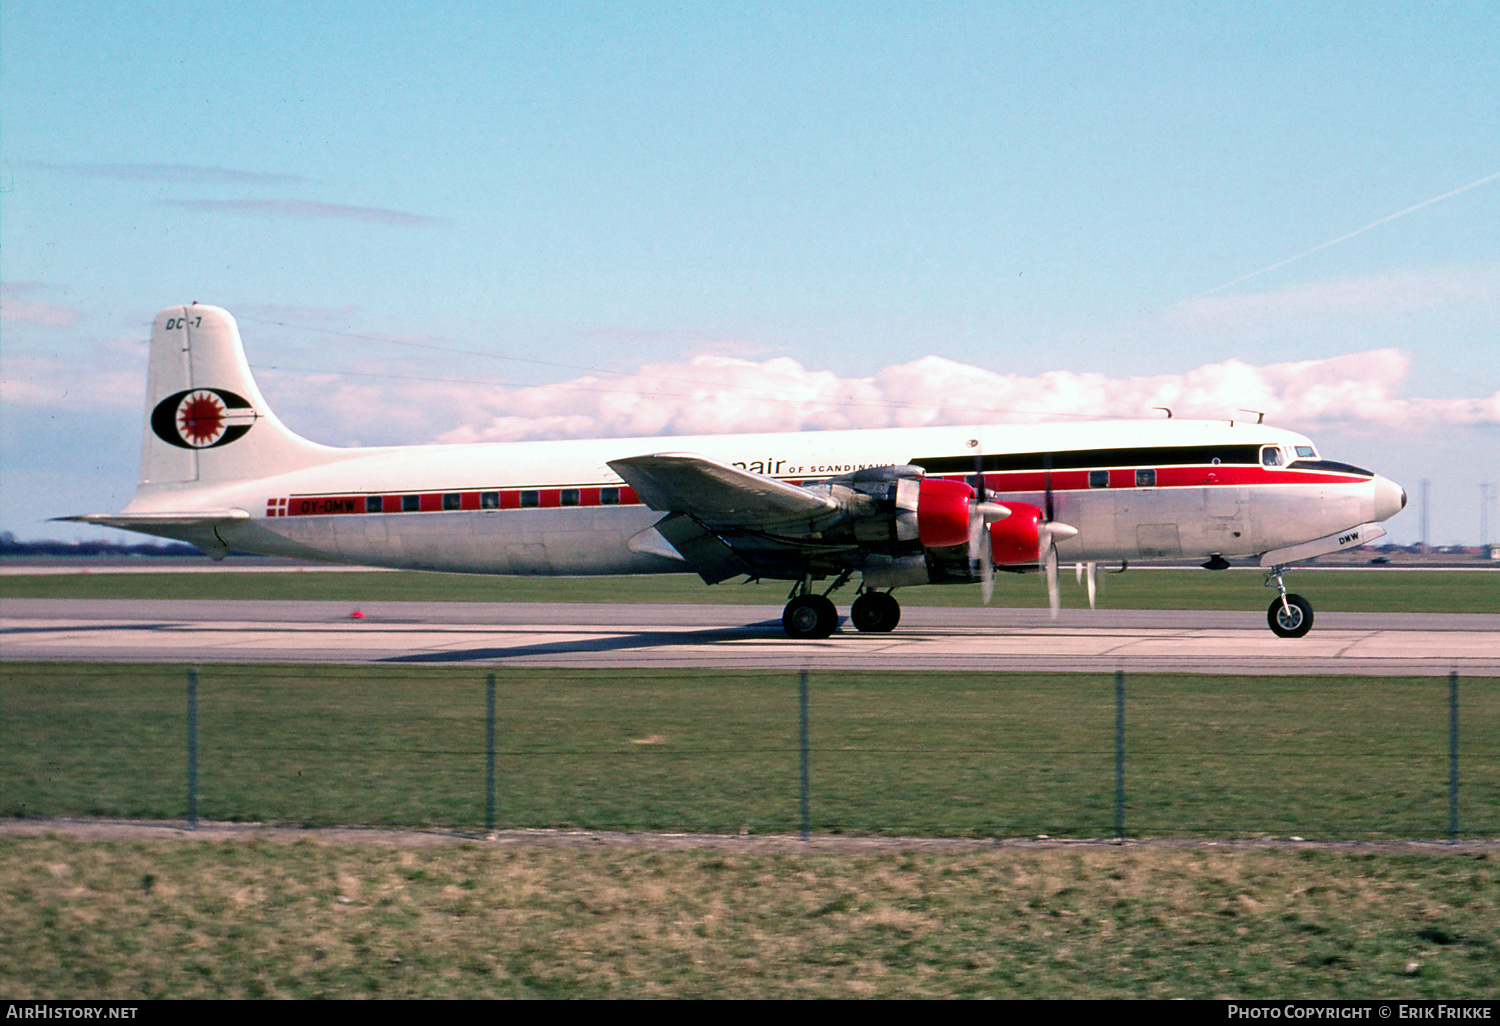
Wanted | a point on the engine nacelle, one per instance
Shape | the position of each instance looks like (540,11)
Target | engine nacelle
(1018,538)
(943,513)
(896,510)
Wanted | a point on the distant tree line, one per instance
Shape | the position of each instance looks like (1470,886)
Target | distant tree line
(10,545)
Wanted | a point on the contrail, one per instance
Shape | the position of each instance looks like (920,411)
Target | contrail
(1350,235)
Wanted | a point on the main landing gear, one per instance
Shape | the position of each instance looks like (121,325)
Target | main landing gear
(808,615)
(1290,616)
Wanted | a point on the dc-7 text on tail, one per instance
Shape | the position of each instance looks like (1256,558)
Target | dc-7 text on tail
(894,507)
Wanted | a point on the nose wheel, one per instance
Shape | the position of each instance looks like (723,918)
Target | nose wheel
(1289,616)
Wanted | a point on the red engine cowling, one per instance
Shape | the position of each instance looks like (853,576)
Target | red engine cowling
(943,512)
(1017,538)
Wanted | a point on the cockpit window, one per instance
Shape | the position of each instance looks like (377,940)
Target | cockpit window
(1270,456)
(1306,452)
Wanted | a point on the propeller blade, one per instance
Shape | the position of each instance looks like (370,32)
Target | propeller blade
(981,555)
(977,539)
(987,573)
(1053,600)
(1093,582)
(1047,510)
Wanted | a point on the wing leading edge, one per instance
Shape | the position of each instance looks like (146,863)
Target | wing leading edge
(719,493)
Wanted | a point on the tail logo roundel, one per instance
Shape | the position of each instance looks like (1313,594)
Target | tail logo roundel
(202,418)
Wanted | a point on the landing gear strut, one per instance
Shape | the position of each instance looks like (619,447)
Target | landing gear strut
(1290,616)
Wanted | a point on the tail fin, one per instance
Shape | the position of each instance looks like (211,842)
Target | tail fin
(206,421)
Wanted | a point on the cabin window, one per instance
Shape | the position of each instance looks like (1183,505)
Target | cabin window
(1098,479)
(411,503)
(609,496)
(452,500)
(489,500)
(1270,456)
(570,496)
(531,499)
(374,504)
(1145,478)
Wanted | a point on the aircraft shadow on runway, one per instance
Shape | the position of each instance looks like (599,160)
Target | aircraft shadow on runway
(613,643)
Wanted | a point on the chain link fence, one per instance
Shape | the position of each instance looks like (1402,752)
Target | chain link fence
(757,752)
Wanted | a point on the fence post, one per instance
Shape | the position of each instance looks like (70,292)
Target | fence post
(192,742)
(1120,754)
(806,784)
(489,753)
(1453,756)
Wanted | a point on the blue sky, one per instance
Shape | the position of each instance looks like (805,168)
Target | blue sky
(504,221)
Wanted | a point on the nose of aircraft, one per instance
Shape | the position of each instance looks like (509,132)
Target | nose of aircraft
(1390,498)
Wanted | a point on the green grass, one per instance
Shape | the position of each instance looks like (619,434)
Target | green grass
(892,753)
(252,919)
(1456,591)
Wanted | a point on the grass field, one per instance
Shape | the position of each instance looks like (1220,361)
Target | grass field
(1455,591)
(891,753)
(171,919)
(907,754)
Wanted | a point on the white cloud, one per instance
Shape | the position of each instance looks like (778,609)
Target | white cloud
(711,394)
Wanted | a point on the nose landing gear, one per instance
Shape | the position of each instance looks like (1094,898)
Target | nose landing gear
(1289,616)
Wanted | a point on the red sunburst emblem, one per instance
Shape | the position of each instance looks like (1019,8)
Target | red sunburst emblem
(200,418)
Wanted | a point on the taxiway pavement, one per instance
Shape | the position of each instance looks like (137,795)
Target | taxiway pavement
(707,636)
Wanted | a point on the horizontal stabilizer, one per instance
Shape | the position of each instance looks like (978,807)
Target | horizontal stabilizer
(202,528)
(146,521)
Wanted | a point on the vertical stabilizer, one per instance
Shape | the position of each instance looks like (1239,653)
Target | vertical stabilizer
(206,421)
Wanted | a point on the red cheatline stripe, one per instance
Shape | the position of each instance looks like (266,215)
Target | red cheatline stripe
(1000,483)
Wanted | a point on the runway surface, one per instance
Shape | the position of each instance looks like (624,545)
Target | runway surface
(645,636)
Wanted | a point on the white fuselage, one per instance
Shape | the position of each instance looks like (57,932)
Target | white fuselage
(1134,490)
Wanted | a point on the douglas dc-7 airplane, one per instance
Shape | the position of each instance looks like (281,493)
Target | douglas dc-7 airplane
(898,507)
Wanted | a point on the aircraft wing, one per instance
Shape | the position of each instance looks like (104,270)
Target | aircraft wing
(717,494)
(722,520)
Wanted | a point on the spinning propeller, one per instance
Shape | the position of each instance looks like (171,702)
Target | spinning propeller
(1048,533)
(983,513)
(1088,574)
(1029,536)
